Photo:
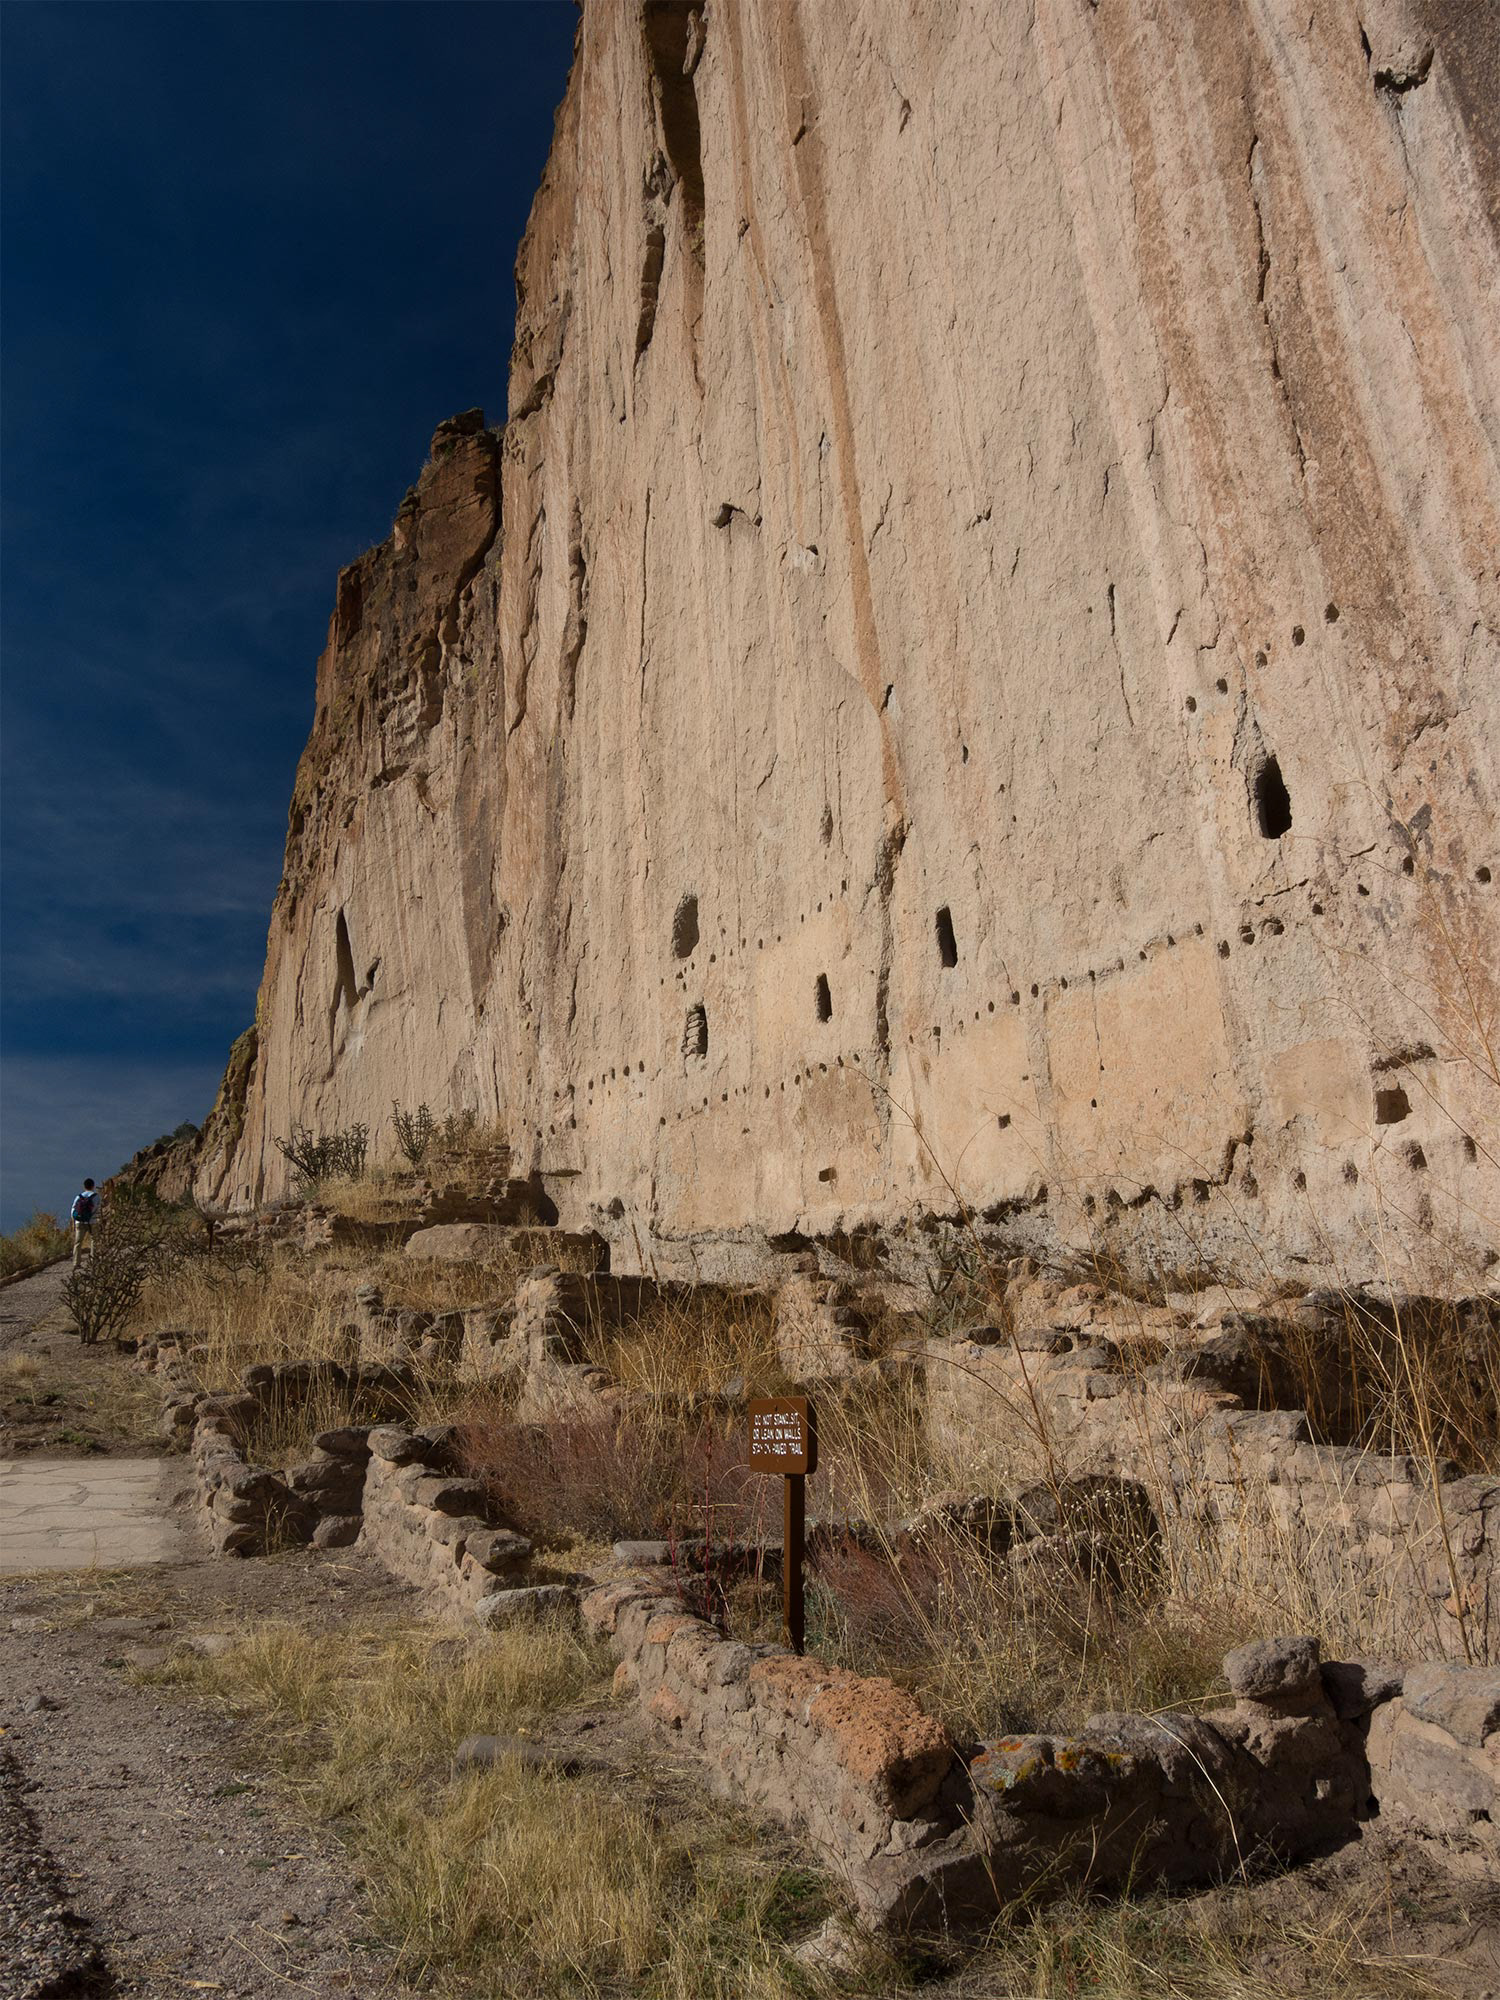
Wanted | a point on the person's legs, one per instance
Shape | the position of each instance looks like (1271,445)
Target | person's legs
(77,1242)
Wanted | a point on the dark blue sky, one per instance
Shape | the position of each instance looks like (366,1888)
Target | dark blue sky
(252,254)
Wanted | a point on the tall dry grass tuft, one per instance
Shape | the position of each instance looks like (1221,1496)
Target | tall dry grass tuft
(691,1341)
(1231,1945)
(451,1284)
(238,1308)
(36,1243)
(647,1470)
(513,1879)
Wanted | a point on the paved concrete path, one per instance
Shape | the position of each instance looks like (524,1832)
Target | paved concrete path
(108,1513)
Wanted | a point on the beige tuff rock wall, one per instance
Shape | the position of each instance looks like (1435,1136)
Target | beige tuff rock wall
(974,472)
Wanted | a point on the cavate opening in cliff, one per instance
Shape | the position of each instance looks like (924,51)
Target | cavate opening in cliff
(947,943)
(1273,804)
(346,987)
(822,998)
(685,928)
(695,1031)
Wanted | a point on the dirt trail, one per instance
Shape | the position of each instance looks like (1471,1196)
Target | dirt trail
(180,1872)
(32,1308)
(58,1397)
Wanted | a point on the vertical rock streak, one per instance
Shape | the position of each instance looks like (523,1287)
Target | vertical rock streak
(999,507)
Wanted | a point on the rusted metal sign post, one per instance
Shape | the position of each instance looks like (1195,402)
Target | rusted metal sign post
(784,1439)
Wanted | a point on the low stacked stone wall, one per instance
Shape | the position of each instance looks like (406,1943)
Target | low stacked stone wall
(856,1763)
(922,1835)
(250,1509)
(1246,1495)
(431,1528)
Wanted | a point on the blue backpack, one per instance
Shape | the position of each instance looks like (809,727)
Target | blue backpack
(83,1207)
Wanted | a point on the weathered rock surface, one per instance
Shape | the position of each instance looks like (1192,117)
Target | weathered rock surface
(990,672)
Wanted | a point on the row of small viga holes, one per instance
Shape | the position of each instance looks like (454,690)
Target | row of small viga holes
(695,1035)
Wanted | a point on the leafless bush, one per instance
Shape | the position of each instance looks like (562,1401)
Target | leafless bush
(138,1237)
(322,1156)
(414,1131)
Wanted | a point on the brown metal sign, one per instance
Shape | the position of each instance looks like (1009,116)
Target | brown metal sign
(784,1439)
(782,1435)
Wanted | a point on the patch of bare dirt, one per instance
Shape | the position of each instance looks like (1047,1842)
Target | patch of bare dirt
(58,1398)
(169,1840)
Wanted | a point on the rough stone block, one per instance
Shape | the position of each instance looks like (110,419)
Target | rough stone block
(396,1446)
(1465,1701)
(1356,1687)
(527,1606)
(337,1531)
(458,1242)
(448,1496)
(1275,1670)
(350,1441)
(498,1550)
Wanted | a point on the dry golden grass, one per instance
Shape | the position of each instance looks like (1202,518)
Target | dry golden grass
(238,1310)
(20,1373)
(1232,1945)
(990,1657)
(690,1343)
(518,1882)
(288,1425)
(384,1194)
(36,1243)
(511,1881)
(447,1285)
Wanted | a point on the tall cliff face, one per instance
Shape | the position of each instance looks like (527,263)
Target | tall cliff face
(989,676)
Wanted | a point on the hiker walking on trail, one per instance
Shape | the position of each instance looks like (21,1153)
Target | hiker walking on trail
(85,1208)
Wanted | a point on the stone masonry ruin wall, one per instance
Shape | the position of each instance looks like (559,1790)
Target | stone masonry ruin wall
(970,670)
(920,1830)
(1242,1488)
